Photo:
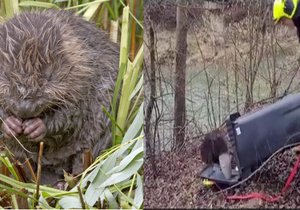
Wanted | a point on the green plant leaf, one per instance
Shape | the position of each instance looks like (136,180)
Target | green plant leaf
(91,176)
(137,88)
(43,203)
(93,191)
(59,1)
(124,103)
(9,166)
(112,119)
(121,73)
(125,174)
(91,10)
(135,126)
(38,4)
(110,11)
(139,143)
(11,7)
(81,10)
(139,193)
(107,164)
(14,201)
(127,160)
(92,194)
(86,4)
(69,202)
(136,67)
(111,200)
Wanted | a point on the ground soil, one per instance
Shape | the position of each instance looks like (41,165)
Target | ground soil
(176,183)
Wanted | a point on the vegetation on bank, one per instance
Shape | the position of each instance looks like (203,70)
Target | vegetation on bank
(115,178)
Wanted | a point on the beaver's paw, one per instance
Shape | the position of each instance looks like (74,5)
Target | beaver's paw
(11,126)
(35,129)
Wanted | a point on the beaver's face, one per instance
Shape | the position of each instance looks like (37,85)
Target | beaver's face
(27,95)
(41,67)
(30,78)
(30,93)
(27,102)
(29,84)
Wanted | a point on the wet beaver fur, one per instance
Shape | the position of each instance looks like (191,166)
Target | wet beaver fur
(57,71)
(212,147)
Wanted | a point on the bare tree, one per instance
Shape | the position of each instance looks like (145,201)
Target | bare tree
(151,82)
(180,70)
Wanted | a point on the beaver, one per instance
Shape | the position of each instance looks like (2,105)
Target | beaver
(213,145)
(57,73)
(216,148)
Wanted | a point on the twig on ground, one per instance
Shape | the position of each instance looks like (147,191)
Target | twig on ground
(27,162)
(39,169)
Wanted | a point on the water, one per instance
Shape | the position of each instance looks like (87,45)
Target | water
(205,111)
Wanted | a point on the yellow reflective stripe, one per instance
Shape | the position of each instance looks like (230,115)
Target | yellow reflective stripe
(295,2)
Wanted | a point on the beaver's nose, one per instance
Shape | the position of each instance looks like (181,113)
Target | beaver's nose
(23,109)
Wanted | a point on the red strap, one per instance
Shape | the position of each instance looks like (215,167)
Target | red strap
(292,175)
(264,196)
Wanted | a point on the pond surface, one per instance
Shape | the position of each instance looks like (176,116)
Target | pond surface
(206,110)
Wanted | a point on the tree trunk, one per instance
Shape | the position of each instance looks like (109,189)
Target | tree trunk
(149,135)
(180,65)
